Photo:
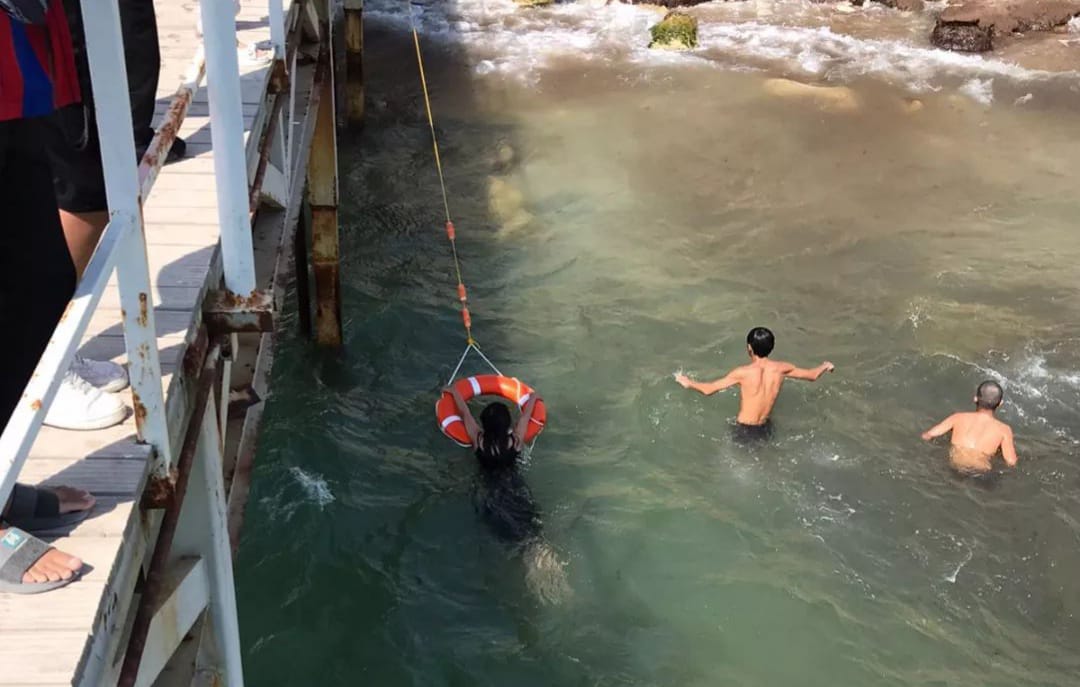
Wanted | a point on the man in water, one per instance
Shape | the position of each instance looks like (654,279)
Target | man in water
(759,384)
(977,436)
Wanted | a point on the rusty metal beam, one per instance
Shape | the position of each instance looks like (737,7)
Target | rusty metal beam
(354,61)
(224,312)
(322,181)
(158,150)
(155,576)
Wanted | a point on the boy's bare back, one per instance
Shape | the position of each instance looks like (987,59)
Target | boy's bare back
(759,382)
(977,436)
(759,386)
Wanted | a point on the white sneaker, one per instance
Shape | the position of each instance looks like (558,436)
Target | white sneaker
(78,405)
(101,374)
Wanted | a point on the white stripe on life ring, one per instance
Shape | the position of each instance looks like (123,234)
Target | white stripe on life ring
(450,420)
(523,400)
(475,386)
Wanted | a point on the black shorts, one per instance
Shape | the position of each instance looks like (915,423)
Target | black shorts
(988,479)
(752,434)
(72,142)
(75,156)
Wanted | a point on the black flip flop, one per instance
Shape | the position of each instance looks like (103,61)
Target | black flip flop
(18,553)
(37,509)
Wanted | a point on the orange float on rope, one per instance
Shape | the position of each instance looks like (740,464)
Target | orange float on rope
(512,390)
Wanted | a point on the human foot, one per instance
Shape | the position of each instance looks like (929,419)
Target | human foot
(30,566)
(42,509)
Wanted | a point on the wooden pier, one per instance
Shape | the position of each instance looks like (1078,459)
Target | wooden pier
(78,635)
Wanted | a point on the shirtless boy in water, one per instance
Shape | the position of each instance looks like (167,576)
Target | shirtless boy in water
(759,383)
(977,436)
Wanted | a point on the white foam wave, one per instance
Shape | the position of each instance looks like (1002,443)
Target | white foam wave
(501,37)
(979,90)
(314,485)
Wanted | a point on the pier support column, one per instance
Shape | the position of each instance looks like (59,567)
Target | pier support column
(354,61)
(322,184)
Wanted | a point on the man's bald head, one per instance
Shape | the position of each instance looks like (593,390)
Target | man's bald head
(989,395)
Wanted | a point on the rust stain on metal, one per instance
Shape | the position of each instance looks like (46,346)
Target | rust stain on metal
(36,405)
(143,317)
(279,77)
(158,151)
(160,491)
(140,409)
(195,352)
(155,575)
(264,154)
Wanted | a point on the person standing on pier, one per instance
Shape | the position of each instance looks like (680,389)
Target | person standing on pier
(83,401)
(37,277)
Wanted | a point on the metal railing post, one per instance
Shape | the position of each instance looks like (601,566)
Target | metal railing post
(105,52)
(227,133)
(277,28)
(209,497)
(354,60)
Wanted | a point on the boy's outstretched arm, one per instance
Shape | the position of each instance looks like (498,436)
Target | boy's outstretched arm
(708,388)
(943,427)
(811,375)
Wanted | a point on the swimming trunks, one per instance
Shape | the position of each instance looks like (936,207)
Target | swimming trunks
(750,434)
(986,479)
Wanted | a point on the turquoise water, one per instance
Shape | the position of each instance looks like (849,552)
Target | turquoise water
(618,223)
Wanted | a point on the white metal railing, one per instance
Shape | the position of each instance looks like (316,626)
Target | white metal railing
(123,245)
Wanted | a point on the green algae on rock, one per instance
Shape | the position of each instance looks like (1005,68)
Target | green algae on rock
(676,31)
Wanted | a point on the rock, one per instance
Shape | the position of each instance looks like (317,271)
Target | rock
(973,25)
(904,5)
(675,3)
(830,98)
(534,3)
(912,105)
(676,31)
(503,158)
(506,205)
(961,37)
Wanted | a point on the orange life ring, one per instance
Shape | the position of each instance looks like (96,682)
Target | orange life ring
(512,390)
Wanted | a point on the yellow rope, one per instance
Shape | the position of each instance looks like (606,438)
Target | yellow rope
(439,169)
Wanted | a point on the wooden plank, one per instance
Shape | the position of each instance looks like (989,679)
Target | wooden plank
(108,519)
(112,442)
(68,608)
(111,476)
(170,350)
(166,297)
(166,323)
(41,658)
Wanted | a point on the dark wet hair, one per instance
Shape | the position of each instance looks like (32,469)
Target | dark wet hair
(495,420)
(989,395)
(761,341)
(496,449)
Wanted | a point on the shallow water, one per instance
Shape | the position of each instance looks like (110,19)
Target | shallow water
(654,210)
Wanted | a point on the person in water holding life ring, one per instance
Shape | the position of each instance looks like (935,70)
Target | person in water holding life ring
(759,384)
(503,499)
(498,440)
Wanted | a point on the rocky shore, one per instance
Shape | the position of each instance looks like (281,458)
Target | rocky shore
(964,25)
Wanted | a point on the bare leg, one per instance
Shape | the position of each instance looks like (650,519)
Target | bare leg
(83,231)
